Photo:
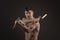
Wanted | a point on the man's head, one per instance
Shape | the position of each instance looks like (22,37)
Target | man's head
(29,12)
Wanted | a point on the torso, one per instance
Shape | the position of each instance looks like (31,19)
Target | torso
(30,25)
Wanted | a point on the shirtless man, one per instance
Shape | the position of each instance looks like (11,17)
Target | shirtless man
(30,25)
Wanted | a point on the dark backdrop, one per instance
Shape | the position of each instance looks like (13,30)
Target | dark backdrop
(11,9)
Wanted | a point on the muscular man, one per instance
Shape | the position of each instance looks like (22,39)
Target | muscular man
(30,24)
(33,27)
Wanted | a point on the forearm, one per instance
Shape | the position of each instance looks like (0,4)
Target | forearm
(23,26)
(32,29)
(34,26)
(37,25)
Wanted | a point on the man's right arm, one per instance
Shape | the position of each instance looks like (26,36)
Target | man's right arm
(23,26)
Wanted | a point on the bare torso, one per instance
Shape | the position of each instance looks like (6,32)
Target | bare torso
(31,27)
(33,35)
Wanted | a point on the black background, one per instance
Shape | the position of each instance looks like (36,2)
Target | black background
(11,9)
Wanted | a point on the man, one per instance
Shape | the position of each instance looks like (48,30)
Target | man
(30,25)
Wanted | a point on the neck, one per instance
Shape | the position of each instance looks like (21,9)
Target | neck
(30,17)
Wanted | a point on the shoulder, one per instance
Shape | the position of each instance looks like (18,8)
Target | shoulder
(37,19)
(23,18)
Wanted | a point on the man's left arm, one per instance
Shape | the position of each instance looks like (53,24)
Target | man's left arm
(34,27)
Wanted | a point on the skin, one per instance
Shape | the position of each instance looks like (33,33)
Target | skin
(31,29)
